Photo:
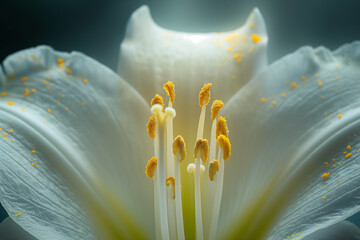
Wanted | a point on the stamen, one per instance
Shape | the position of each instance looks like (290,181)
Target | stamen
(170,181)
(204,95)
(201,149)
(150,167)
(170,91)
(150,126)
(224,143)
(179,147)
(157,100)
(215,108)
(180,154)
(213,168)
(221,127)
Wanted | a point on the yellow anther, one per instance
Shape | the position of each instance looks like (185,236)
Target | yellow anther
(201,148)
(255,38)
(215,108)
(221,127)
(179,147)
(224,143)
(170,181)
(325,175)
(170,90)
(204,95)
(150,126)
(157,100)
(213,168)
(150,167)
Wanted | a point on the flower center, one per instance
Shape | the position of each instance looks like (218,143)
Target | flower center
(164,167)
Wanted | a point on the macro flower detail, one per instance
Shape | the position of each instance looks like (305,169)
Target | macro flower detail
(76,138)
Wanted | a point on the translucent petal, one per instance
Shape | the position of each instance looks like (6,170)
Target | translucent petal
(80,122)
(285,125)
(340,231)
(9,230)
(151,55)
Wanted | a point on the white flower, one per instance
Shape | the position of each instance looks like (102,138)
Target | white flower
(74,145)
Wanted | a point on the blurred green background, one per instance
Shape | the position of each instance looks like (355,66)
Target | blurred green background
(96,28)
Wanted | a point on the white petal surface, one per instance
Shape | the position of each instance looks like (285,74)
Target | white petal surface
(286,126)
(83,122)
(151,56)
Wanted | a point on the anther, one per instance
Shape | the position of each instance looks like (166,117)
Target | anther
(179,147)
(157,100)
(204,95)
(215,108)
(213,168)
(221,127)
(150,126)
(224,143)
(170,90)
(170,181)
(202,149)
(150,167)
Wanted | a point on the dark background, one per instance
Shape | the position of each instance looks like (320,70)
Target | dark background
(96,28)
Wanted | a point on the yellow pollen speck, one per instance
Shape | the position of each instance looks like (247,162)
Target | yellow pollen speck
(66,108)
(201,149)
(255,38)
(204,95)
(348,147)
(12,76)
(283,94)
(316,75)
(32,164)
(348,155)
(150,126)
(170,90)
(339,180)
(62,95)
(170,181)
(157,100)
(325,175)
(10,103)
(179,147)
(33,90)
(221,127)
(224,143)
(26,92)
(293,84)
(85,80)
(236,55)
(303,77)
(22,109)
(324,197)
(213,169)
(3,94)
(322,97)
(60,60)
(251,49)
(215,108)
(274,102)
(263,99)
(340,116)
(320,83)
(229,50)
(150,167)
(83,103)
(10,131)
(33,151)
(49,110)
(68,70)
(24,78)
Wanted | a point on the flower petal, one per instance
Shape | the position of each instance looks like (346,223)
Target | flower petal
(340,231)
(9,230)
(69,123)
(151,55)
(299,114)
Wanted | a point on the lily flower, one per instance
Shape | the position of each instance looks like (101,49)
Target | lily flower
(74,144)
